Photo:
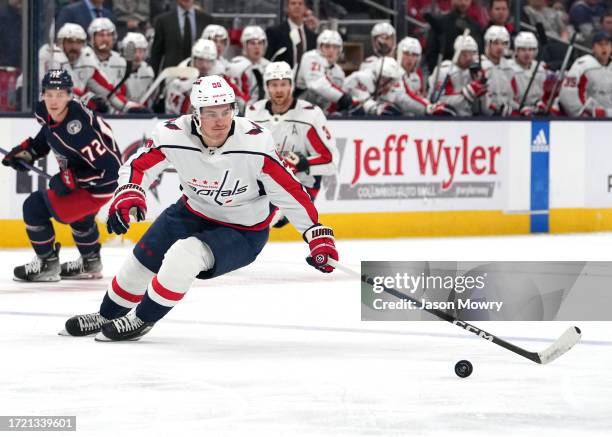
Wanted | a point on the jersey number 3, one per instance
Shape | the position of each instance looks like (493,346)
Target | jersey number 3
(93,150)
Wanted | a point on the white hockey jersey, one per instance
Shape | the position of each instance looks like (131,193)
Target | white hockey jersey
(414,82)
(361,85)
(233,184)
(369,63)
(302,129)
(87,78)
(587,88)
(318,82)
(452,94)
(520,80)
(139,81)
(248,77)
(112,68)
(499,99)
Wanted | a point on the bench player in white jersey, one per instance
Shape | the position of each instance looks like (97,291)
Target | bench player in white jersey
(230,172)
(218,35)
(320,79)
(384,95)
(497,70)
(409,52)
(247,70)
(299,129)
(523,66)
(142,75)
(102,34)
(587,88)
(456,86)
(383,39)
(90,85)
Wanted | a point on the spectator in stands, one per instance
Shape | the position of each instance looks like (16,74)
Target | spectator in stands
(175,33)
(585,16)
(446,29)
(82,13)
(606,22)
(292,38)
(10,37)
(537,11)
(132,16)
(499,14)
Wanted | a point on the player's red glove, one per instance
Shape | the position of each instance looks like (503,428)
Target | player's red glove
(128,198)
(296,162)
(474,89)
(63,183)
(321,241)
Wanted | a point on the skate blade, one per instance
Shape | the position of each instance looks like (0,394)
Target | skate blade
(83,276)
(64,333)
(52,279)
(103,338)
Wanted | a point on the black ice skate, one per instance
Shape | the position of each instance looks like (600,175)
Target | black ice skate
(45,269)
(128,327)
(85,324)
(86,267)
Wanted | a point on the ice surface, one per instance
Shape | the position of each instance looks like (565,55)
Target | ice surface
(278,349)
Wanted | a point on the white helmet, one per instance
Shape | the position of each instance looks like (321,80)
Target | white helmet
(204,49)
(525,40)
(138,39)
(329,37)
(278,71)
(408,45)
(214,31)
(390,68)
(71,31)
(496,33)
(465,44)
(382,29)
(210,91)
(100,24)
(253,32)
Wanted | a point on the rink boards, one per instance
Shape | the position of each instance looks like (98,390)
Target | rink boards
(410,178)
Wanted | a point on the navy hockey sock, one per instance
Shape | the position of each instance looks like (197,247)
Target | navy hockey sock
(86,235)
(40,231)
(112,310)
(150,311)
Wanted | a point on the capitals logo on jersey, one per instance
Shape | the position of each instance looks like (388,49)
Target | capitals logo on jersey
(222,192)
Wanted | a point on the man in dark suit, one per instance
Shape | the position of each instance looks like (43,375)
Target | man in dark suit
(82,13)
(175,33)
(446,28)
(292,35)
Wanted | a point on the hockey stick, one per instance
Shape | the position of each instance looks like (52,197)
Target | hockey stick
(187,72)
(29,166)
(128,53)
(438,93)
(565,342)
(542,41)
(564,65)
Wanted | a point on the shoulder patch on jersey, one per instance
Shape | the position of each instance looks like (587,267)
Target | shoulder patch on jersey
(171,125)
(74,127)
(256,129)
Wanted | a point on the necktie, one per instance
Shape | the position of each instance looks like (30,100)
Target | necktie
(260,86)
(98,13)
(300,47)
(187,36)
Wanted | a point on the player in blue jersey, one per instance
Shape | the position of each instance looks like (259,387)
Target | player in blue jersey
(89,160)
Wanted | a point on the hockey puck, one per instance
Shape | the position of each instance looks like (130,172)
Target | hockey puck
(463,368)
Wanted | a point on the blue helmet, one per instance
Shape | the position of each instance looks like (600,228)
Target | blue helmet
(57,79)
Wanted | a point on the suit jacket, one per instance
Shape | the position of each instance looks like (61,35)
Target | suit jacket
(278,37)
(79,13)
(167,47)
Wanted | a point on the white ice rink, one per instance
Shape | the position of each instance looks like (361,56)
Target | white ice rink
(278,349)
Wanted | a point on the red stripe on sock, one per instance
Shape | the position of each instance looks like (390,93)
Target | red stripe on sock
(164,292)
(125,294)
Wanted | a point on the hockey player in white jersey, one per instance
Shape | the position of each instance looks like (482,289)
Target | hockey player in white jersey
(383,39)
(247,70)
(320,79)
(523,66)
(218,34)
(384,95)
(409,52)
(102,34)
(230,172)
(90,85)
(587,88)
(142,75)
(457,86)
(498,73)
(300,131)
